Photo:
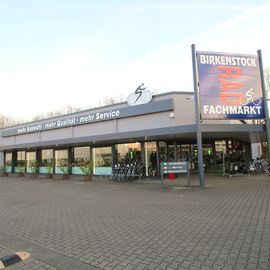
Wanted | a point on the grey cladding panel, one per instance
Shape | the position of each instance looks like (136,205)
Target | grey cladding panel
(90,117)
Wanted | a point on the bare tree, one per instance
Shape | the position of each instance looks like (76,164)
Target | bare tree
(69,109)
(66,109)
(2,121)
(6,121)
(112,100)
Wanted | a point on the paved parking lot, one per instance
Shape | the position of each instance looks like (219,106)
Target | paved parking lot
(68,224)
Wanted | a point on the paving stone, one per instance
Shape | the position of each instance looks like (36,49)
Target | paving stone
(103,225)
(228,267)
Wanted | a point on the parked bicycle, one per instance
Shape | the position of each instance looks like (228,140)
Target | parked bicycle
(128,171)
(259,165)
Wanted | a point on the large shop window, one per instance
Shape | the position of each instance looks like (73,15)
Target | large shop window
(80,155)
(221,151)
(128,152)
(163,151)
(61,161)
(102,158)
(31,162)
(47,161)
(8,162)
(183,152)
(20,166)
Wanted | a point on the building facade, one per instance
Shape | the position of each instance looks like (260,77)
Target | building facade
(163,129)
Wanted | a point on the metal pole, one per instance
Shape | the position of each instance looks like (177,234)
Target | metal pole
(161,174)
(198,116)
(223,162)
(266,110)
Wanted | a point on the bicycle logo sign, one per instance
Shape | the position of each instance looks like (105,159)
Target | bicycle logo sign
(249,97)
(140,96)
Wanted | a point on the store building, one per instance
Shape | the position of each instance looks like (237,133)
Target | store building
(161,129)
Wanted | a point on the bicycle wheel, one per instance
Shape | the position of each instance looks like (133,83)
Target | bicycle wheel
(151,171)
(243,100)
(141,172)
(256,100)
(146,96)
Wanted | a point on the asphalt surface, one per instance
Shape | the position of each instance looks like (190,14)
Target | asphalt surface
(70,224)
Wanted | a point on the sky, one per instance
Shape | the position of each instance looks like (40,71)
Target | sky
(55,53)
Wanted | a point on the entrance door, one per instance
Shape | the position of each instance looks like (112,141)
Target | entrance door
(151,158)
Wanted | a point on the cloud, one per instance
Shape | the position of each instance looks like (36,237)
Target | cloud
(78,77)
(183,7)
(188,41)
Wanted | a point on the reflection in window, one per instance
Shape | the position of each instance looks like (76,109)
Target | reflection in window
(220,146)
(171,154)
(80,154)
(61,161)
(102,158)
(46,155)
(30,161)
(183,152)
(46,161)
(20,162)
(8,161)
(128,152)
(162,151)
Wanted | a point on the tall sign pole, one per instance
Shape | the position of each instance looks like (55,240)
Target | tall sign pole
(198,117)
(267,120)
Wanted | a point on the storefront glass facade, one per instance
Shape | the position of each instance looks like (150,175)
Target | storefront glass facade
(68,160)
